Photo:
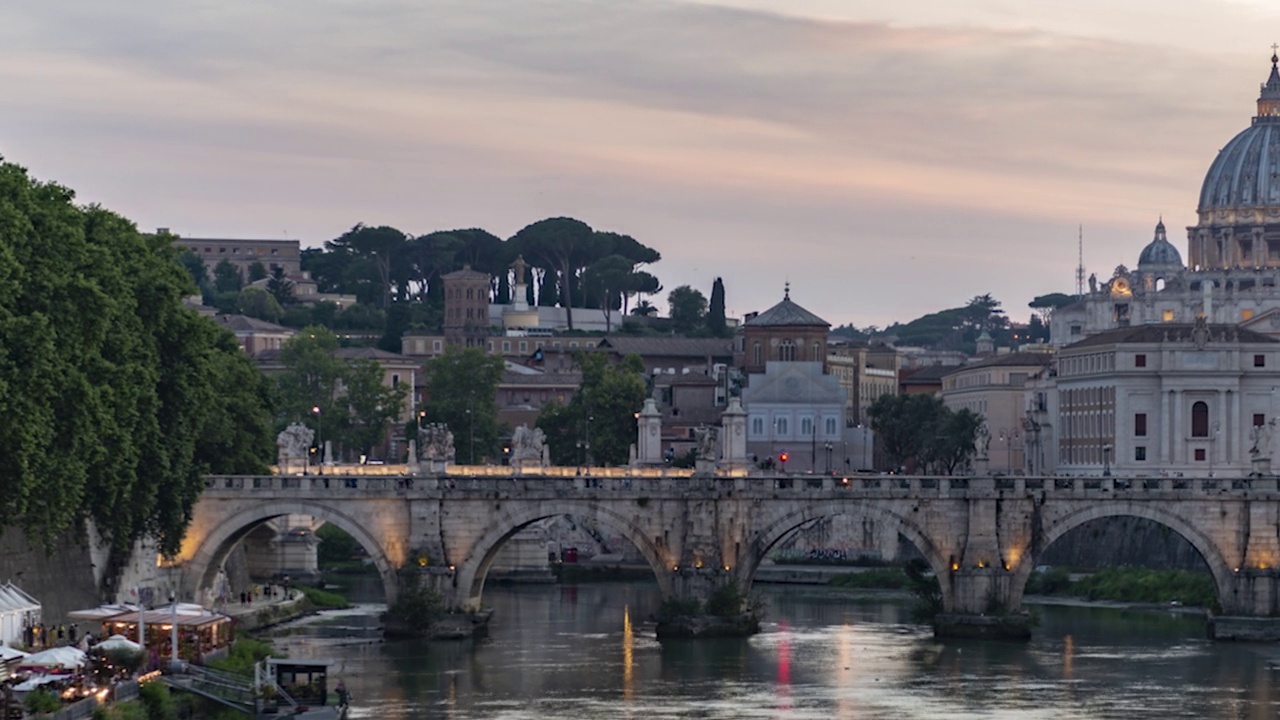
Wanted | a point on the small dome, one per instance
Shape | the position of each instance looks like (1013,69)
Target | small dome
(1159,251)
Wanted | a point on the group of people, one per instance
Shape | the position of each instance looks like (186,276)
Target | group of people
(39,636)
(268,592)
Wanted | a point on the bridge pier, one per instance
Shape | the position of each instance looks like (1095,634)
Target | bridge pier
(986,603)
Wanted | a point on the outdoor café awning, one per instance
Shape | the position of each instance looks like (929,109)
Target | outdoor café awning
(102,612)
(187,616)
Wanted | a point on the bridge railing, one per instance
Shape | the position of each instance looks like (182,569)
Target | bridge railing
(620,481)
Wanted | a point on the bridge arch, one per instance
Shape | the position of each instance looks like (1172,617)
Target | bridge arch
(1219,567)
(474,568)
(200,570)
(774,532)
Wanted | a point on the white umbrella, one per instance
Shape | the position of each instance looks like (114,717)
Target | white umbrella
(59,657)
(118,642)
(7,653)
(35,682)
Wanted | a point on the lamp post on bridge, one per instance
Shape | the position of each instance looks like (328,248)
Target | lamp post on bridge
(828,457)
(315,410)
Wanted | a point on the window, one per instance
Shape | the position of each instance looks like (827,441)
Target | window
(756,354)
(1259,360)
(787,351)
(831,426)
(1140,424)
(524,346)
(781,426)
(1200,420)
(395,381)
(1140,360)
(1075,329)
(806,426)
(1259,419)
(817,352)
(757,426)
(506,346)
(1140,453)
(1199,454)
(437,345)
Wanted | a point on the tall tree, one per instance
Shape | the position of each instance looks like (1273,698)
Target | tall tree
(688,309)
(607,278)
(281,287)
(556,244)
(226,277)
(462,387)
(372,405)
(600,418)
(920,429)
(381,245)
(717,326)
(114,398)
(311,383)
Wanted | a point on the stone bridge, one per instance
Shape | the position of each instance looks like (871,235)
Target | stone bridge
(981,535)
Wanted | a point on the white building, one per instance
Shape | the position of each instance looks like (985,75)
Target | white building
(794,408)
(995,388)
(1175,399)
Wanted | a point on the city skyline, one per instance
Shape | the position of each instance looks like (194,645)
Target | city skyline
(888,161)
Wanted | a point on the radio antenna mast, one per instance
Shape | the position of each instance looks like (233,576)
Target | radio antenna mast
(1080,265)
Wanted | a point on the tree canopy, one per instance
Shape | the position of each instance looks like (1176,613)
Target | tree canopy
(921,430)
(115,400)
(601,413)
(462,388)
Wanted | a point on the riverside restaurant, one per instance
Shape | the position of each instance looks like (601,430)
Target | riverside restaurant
(201,633)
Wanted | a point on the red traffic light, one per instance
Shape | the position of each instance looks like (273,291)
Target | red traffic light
(783,457)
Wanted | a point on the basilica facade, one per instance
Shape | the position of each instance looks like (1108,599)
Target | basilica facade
(1232,271)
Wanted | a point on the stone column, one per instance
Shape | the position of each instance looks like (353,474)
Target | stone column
(733,436)
(1165,422)
(1218,435)
(1179,449)
(649,432)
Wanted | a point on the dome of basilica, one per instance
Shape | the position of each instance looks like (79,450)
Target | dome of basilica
(1159,252)
(1246,173)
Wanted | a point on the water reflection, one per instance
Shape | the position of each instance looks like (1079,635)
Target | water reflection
(588,652)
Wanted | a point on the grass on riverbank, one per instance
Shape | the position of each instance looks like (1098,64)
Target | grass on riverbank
(1119,584)
(244,653)
(325,600)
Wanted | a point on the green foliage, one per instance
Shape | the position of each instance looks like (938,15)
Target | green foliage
(1133,584)
(371,405)
(281,288)
(417,607)
(244,653)
(156,700)
(1054,581)
(257,271)
(728,600)
(113,396)
(325,599)
(195,266)
(462,386)
(716,324)
(607,401)
(226,277)
(922,429)
(672,608)
(336,545)
(258,303)
(41,701)
(129,710)
(878,578)
(955,328)
(1051,301)
(926,588)
(688,309)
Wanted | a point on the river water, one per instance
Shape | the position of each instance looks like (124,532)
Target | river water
(587,651)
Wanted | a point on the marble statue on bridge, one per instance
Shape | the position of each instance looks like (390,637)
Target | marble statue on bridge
(528,448)
(293,448)
(435,443)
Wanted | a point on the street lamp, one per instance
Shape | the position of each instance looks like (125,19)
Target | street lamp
(828,458)
(173,628)
(315,410)
(1106,460)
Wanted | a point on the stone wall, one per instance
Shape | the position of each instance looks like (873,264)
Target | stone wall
(61,579)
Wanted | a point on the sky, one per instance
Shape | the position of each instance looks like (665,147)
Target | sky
(888,159)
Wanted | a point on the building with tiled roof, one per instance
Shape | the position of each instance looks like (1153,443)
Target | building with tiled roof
(785,332)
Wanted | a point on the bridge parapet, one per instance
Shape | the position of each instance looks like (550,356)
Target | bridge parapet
(878,486)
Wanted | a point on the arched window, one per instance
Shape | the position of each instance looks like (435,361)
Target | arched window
(757,426)
(806,426)
(1200,419)
(781,426)
(831,426)
(756,354)
(787,351)
(817,352)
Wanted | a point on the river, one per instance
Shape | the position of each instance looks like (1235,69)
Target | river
(587,651)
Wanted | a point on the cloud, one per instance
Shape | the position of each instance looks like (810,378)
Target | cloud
(928,155)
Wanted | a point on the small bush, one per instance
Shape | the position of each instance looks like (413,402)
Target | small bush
(727,601)
(417,607)
(672,608)
(41,701)
(157,702)
(878,579)
(1049,582)
(325,599)
(244,653)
